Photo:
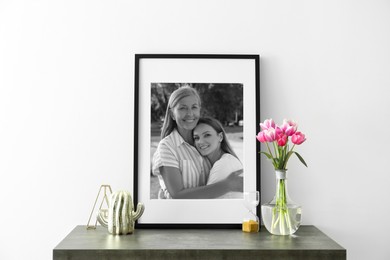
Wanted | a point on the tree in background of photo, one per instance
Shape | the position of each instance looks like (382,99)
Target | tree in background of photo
(223,101)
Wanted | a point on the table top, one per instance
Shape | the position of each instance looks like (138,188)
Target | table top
(307,239)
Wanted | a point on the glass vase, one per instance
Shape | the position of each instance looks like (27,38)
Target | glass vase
(281,216)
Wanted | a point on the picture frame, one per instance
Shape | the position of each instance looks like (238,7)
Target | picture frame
(155,71)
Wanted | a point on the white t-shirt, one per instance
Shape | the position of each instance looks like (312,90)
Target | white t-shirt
(221,170)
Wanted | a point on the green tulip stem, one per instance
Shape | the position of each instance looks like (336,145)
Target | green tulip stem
(288,157)
(280,214)
(276,149)
(269,150)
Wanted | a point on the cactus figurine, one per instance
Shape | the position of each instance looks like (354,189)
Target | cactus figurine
(121,217)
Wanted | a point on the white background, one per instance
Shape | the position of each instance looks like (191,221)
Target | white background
(66,105)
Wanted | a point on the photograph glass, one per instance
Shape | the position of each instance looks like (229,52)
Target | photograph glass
(195,151)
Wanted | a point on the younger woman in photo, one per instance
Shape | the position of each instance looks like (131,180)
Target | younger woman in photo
(211,142)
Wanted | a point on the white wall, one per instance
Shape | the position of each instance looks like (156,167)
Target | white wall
(66,105)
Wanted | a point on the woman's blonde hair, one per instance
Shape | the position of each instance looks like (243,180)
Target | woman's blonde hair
(217,126)
(176,96)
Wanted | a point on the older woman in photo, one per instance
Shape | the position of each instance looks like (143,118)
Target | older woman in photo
(181,170)
(211,142)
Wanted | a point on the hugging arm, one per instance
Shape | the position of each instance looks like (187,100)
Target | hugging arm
(174,183)
(225,168)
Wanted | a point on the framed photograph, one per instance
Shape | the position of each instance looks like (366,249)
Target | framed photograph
(195,151)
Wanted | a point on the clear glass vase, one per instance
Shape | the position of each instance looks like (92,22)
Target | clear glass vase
(281,216)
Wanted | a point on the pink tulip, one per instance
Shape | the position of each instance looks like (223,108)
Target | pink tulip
(268,123)
(289,127)
(298,138)
(278,132)
(260,137)
(282,140)
(270,135)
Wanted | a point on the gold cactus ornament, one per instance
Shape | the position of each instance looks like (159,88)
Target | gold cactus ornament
(120,216)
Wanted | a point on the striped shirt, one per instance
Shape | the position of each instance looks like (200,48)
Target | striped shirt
(173,151)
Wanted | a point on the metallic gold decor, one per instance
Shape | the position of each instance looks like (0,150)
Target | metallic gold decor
(106,189)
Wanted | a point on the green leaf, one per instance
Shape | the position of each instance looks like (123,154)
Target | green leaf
(268,155)
(300,158)
(289,154)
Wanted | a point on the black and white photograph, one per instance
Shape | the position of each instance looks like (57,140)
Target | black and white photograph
(196,141)
(192,113)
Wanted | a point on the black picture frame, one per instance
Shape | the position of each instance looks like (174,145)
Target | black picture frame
(142,63)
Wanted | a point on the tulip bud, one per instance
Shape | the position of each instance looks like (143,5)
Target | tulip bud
(260,137)
(270,135)
(282,140)
(289,127)
(268,123)
(298,138)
